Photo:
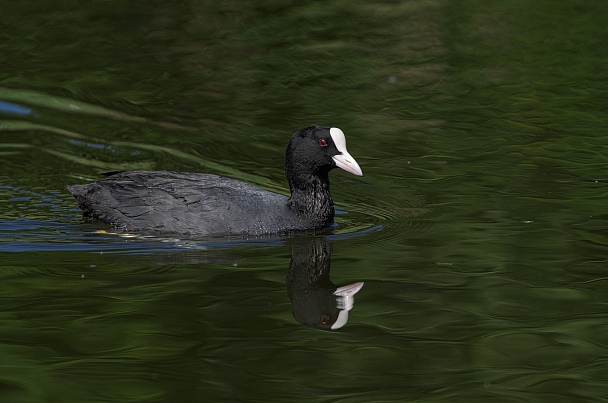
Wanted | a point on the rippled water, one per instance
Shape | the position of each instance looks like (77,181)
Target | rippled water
(479,226)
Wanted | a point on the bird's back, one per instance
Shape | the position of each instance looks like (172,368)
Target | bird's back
(184,203)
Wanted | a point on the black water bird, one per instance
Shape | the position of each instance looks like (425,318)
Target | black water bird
(166,202)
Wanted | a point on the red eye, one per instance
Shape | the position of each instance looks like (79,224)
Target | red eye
(323,143)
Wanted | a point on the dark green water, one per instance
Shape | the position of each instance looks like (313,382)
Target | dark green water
(480,226)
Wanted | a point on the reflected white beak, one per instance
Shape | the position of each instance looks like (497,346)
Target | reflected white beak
(341,321)
(345,301)
(346,295)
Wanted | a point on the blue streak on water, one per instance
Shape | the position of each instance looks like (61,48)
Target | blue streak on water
(9,107)
(99,146)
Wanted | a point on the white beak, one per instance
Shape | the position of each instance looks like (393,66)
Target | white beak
(344,160)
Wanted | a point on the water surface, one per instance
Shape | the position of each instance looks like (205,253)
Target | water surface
(479,226)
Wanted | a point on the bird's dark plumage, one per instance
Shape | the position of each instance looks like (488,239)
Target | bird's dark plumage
(164,202)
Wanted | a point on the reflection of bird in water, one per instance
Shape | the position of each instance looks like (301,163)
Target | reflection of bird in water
(316,300)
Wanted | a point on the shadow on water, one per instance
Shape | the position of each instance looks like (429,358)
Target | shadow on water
(316,300)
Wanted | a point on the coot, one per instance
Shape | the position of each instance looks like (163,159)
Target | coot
(164,202)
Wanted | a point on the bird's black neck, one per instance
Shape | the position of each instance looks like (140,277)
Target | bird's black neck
(310,197)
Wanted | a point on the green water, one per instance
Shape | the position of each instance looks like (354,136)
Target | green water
(479,226)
